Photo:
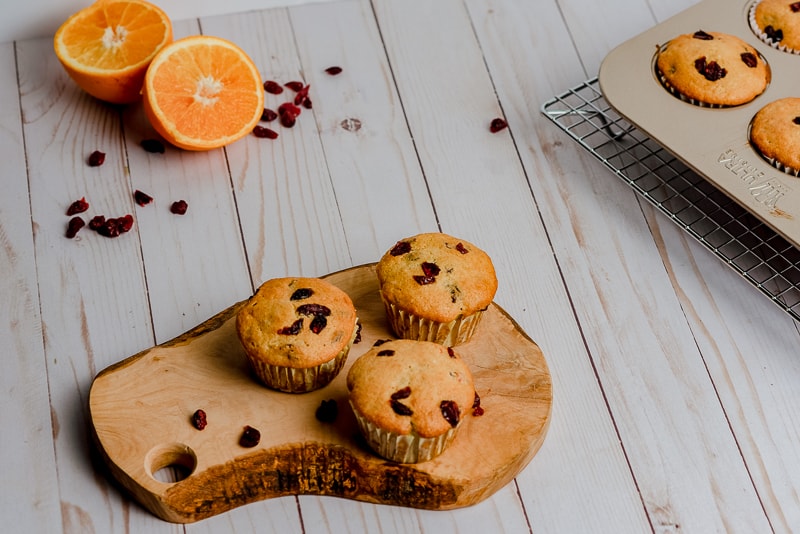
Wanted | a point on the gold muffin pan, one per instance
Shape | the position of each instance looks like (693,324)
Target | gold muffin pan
(713,142)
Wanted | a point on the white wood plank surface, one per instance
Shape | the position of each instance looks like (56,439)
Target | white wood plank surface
(675,382)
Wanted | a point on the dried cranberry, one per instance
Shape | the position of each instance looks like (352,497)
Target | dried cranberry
(318,323)
(199,419)
(477,409)
(307,103)
(125,223)
(403,393)
(379,342)
(385,352)
(264,133)
(795,7)
(796,120)
(775,35)
(328,411)
(703,36)
(711,70)
(273,88)
(141,198)
(268,115)
(250,437)
(293,329)
(451,352)
(430,269)
(113,227)
(424,280)
(110,228)
(96,222)
(461,248)
(79,206)
(179,207)
(301,95)
(749,59)
(74,225)
(333,71)
(450,412)
(400,408)
(153,146)
(294,86)
(497,124)
(313,309)
(400,248)
(302,293)
(288,113)
(97,158)
(287,121)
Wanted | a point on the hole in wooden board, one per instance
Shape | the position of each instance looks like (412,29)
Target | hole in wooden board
(170,463)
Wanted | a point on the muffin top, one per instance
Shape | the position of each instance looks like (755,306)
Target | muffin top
(296,322)
(437,276)
(714,68)
(779,22)
(405,386)
(775,132)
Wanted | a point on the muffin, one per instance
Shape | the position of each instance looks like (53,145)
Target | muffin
(712,69)
(775,134)
(297,332)
(410,398)
(435,287)
(777,23)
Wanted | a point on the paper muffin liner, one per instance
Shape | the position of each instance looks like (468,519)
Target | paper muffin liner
(400,448)
(406,325)
(763,36)
(301,380)
(777,164)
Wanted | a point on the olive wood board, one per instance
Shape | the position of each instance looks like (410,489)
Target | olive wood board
(713,142)
(141,420)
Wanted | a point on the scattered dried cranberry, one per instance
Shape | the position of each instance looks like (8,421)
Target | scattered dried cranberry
(313,309)
(264,133)
(301,95)
(403,393)
(385,352)
(307,103)
(302,293)
(424,280)
(775,35)
(796,120)
(477,409)
(74,225)
(450,412)
(497,124)
(749,59)
(451,352)
(293,329)
(141,198)
(113,227)
(179,207)
(318,323)
(250,437)
(268,115)
(333,71)
(398,407)
(273,88)
(703,36)
(430,269)
(711,70)
(795,7)
(461,248)
(288,120)
(109,228)
(79,206)
(379,342)
(96,222)
(199,419)
(125,223)
(288,114)
(328,411)
(97,158)
(400,248)
(153,146)
(294,86)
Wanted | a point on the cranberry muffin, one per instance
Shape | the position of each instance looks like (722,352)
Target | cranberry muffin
(297,332)
(435,287)
(410,398)
(775,134)
(712,69)
(777,23)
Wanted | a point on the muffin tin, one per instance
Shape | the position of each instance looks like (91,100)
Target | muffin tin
(713,142)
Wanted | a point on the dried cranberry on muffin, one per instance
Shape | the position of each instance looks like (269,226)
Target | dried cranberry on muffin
(712,69)
(435,287)
(777,23)
(410,398)
(775,134)
(297,332)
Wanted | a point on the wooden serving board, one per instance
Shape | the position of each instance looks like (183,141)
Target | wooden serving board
(141,411)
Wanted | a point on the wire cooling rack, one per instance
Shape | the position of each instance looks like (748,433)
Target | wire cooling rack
(733,234)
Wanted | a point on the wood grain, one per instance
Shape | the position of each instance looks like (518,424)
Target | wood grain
(141,410)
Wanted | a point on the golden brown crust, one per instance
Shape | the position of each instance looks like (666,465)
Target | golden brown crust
(462,281)
(775,132)
(264,324)
(772,16)
(713,68)
(431,372)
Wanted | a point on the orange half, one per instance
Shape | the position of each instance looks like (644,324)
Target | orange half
(107,47)
(203,92)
